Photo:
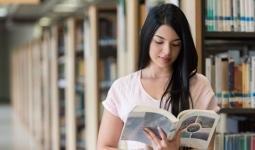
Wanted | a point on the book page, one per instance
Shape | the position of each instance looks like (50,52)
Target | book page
(142,117)
(197,127)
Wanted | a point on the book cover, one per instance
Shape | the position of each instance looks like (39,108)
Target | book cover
(197,126)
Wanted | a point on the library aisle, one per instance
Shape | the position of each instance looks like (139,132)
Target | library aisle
(13,135)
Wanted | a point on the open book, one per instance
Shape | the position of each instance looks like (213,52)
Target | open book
(197,126)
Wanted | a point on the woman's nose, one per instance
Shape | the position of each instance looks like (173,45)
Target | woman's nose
(167,49)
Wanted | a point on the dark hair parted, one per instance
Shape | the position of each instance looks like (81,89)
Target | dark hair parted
(184,67)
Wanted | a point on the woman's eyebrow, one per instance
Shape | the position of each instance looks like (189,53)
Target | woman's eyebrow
(164,38)
(159,36)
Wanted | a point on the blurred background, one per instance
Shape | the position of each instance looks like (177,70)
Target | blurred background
(58,59)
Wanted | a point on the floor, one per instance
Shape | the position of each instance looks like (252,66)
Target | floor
(13,135)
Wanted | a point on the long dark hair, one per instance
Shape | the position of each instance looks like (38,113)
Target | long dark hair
(184,67)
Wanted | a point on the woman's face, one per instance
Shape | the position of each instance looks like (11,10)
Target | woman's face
(164,47)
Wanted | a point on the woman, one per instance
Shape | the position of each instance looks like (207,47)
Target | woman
(167,78)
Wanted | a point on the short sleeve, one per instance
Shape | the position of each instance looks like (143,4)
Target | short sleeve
(112,103)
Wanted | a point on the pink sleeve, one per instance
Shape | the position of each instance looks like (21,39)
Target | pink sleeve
(111,103)
(202,94)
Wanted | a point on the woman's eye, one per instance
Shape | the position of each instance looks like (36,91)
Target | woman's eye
(176,45)
(158,42)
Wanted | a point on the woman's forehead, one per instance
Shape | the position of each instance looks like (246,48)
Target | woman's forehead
(167,33)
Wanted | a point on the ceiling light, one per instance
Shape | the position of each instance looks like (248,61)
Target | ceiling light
(66,7)
(19,2)
(45,21)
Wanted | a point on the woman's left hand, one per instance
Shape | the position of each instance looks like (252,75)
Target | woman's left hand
(163,143)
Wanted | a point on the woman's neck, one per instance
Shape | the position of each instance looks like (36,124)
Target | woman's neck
(156,72)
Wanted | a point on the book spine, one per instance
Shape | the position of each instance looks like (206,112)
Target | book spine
(242,15)
(224,82)
(219,141)
(232,15)
(235,15)
(209,11)
(224,15)
(245,84)
(218,79)
(252,82)
(228,15)
(251,15)
(220,15)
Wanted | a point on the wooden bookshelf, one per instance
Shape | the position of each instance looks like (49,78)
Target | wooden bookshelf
(217,42)
(230,35)
(107,52)
(238,111)
(62,82)
(80,74)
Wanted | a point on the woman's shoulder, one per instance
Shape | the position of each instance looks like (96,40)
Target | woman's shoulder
(127,79)
(199,79)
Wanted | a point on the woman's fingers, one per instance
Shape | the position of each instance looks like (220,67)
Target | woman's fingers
(152,136)
(162,142)
(162,133)
(178,136)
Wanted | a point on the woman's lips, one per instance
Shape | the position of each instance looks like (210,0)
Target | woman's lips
(165,59)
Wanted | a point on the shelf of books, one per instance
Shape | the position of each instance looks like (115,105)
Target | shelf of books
(29,86)
(48,90)
(80,84)
(71,76)
(101,60)
(229,58)
(107,51)
(61,82)
(61,74)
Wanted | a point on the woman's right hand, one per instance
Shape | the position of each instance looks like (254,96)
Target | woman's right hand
(163,143)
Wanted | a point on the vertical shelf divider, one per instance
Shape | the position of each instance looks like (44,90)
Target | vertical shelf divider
(70,86)
(132,34)
(54,90)
(92,79)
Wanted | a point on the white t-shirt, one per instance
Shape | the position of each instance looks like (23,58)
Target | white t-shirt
(127,92)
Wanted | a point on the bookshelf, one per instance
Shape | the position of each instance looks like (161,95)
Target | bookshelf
(223,37)
(230,35)
(61,82)
(107,45)
(71,73)
(228,50)
(80,72)
(238,111)
(101,60)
